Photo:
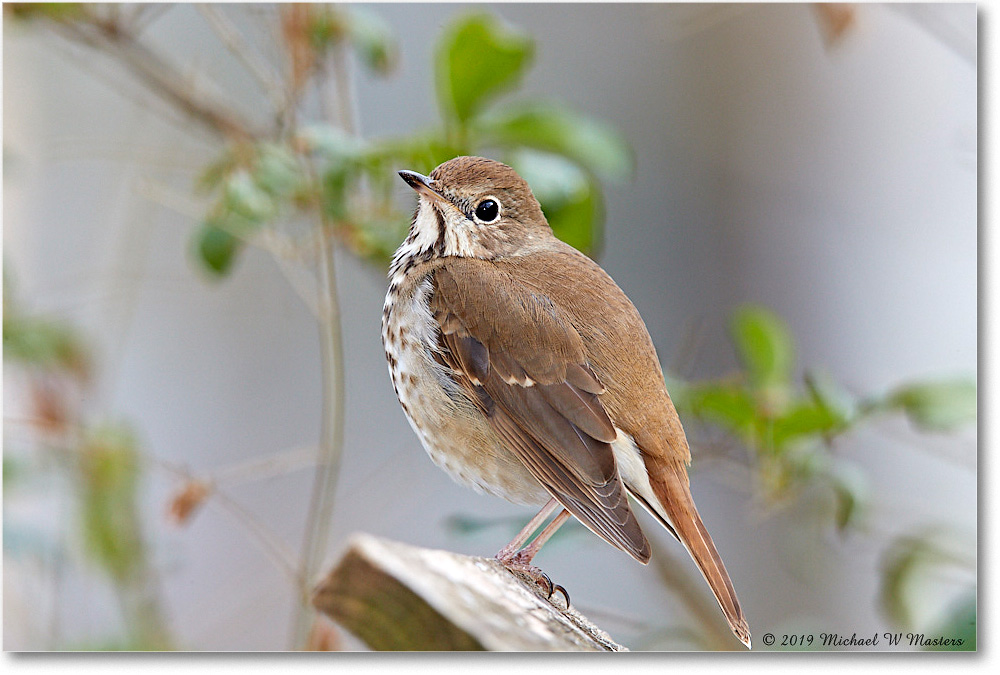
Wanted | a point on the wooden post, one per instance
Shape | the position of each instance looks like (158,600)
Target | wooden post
(399,597)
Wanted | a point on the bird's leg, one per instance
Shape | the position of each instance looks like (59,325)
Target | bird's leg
(518,559)
(510,550)
(526,554)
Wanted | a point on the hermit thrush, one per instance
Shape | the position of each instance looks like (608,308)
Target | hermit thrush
(528,374)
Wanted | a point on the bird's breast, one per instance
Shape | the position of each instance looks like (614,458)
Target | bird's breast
(453,430)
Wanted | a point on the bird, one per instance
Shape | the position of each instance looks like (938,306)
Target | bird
(528,374)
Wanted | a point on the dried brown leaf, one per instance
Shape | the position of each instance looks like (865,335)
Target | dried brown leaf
(183,505)
(836,20)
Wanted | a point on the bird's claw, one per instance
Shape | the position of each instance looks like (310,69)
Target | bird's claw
(548,585)
(562,590)
(540,578)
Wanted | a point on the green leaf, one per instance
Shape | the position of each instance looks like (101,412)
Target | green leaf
(727,405)
(43,343)
(377,238)
(906,568)
(805,419)
(57,11)
(477,58)
(216,249)
(372,39)
(831,397)
(335,191)
(764,345)
(938,406)
(577,221)
(276,171)
(570,200)
(14,471)
(958,626)
(244,197)
(852,494)
(215,172)
(331,142)
(421,152)
(109,481)
(325,25)
(552,128)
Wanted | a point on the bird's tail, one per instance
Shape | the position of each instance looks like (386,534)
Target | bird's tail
(678,514)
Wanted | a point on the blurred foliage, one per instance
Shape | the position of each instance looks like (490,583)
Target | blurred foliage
(959,624)
(352,180)
(100,461)
(40,343)
(789,429)
(367,33)
(913,563)
(935,406)
(108,468)
(58,11)
(43,343)
(476,59)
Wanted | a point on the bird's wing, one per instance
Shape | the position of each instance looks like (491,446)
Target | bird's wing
(525,365)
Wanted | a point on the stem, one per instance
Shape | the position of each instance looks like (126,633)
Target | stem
(237,45)
(343,86)
(150,69)
(700,608)
(331,444)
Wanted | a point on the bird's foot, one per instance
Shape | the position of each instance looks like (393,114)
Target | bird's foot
(521,568)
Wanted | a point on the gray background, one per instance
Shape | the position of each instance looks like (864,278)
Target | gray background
(836,186)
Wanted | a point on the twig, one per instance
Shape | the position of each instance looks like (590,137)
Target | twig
(264,467)
(237,45)
(145,14)
(149,68)
(131,259)
(271,545)
(692,340)
(342,90)
(317,529)
(279,248)
(683,586)
(70,148)
(126,89)
(163,195)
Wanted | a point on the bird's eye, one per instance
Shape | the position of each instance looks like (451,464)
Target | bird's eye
(487,211)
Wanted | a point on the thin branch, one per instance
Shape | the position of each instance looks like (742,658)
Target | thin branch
(149,68)
(274,548)
(259,468)
(699,607)
(231,36)
(163,195)
(145,14)
(126,89)
(121,300)
(282,251)
(72,148)
(317,531)
(336,98)
(280,247)
(692,340)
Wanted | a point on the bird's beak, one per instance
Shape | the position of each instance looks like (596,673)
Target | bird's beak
(422,184)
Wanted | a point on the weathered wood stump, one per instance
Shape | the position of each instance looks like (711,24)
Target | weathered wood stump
(399,597)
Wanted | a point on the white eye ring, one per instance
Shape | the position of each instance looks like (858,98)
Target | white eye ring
(488,210)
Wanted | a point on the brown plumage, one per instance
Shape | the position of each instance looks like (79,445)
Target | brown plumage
(528,373)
